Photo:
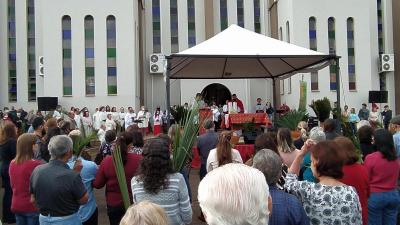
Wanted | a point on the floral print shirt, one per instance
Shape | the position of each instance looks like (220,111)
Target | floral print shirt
(324,204)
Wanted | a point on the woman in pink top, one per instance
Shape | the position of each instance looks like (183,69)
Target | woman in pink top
(383,168)
(20,171)
(286,148)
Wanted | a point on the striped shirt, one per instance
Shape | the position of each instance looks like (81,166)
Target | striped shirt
(174,199)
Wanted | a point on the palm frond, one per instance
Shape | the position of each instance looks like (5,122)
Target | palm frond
(183,141)
(120,172)
(292,119)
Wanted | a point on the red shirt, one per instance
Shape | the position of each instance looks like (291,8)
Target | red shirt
(356,175)
(19,179)
(383,174)
(106,176)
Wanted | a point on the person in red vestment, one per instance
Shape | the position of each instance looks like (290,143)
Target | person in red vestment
(238,102)
(355,174)
(157,118)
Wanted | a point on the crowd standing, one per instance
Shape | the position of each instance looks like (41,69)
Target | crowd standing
(319,178)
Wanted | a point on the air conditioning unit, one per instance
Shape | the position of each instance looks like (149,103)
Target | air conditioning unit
(386,63)
(41,66)
(157,63)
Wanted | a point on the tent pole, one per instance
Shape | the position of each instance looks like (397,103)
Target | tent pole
(168,90)
(274,97)
(338,84)
(338,106)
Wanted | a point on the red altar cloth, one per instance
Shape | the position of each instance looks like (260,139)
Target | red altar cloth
(246,151)
(205,113)
(238,119)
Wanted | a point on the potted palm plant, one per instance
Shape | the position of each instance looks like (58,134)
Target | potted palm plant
(291,120)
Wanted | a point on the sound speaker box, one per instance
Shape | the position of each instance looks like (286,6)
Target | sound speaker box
(378,97)
(47,103)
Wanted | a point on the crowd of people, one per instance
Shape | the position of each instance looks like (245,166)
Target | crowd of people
(321,177)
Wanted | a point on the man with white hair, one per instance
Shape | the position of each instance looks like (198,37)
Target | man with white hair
(235,194)
(57,190)
(287,208)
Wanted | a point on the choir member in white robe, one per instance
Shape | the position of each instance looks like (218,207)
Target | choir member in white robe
(130,117)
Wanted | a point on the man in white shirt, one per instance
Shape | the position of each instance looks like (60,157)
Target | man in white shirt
(130,117)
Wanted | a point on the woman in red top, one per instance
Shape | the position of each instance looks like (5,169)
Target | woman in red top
(106,176)
(355,174)
(20,171)
(383,168)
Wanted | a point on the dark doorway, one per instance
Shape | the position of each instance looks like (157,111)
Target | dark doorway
(217,93)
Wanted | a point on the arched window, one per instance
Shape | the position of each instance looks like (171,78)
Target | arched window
(30,12)
(223,12)
(240,13)
(12,54)
(111,56)
(66,54)
(312,34)
(89,56)
(191,23)
(156,26)
(174,26)
(332,50)
(351,54)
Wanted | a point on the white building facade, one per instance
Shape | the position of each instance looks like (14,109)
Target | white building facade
(351,30)
(96,52)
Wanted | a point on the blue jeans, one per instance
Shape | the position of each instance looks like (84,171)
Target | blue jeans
(73,219)
(27,218)
(382,208)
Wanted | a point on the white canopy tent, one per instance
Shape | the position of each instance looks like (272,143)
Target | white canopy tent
(237,53)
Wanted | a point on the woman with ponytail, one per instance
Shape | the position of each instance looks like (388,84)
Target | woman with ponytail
(224,153)
(106,176)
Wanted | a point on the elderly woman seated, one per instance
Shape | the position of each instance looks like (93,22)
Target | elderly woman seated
(329,201)
(234,194)
(287,209)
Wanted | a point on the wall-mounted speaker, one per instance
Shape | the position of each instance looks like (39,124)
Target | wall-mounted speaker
(47,103)
(378,97)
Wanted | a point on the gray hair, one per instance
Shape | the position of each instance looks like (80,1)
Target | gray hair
(234,194)
(60,145)
(270,164)
(317,134)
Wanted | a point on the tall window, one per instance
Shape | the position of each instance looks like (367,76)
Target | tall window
(312,34)
(223,12)
(89,56)
(31,50)
(174,26)
(332,50)
(257,17)
(111,56)
(287,32)
(381,43)
(240,13)
(156,27)
(351,54)
(66,49)
(191,23)
(12,57)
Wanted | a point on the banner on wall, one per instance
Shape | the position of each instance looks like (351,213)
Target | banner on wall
(303,95)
